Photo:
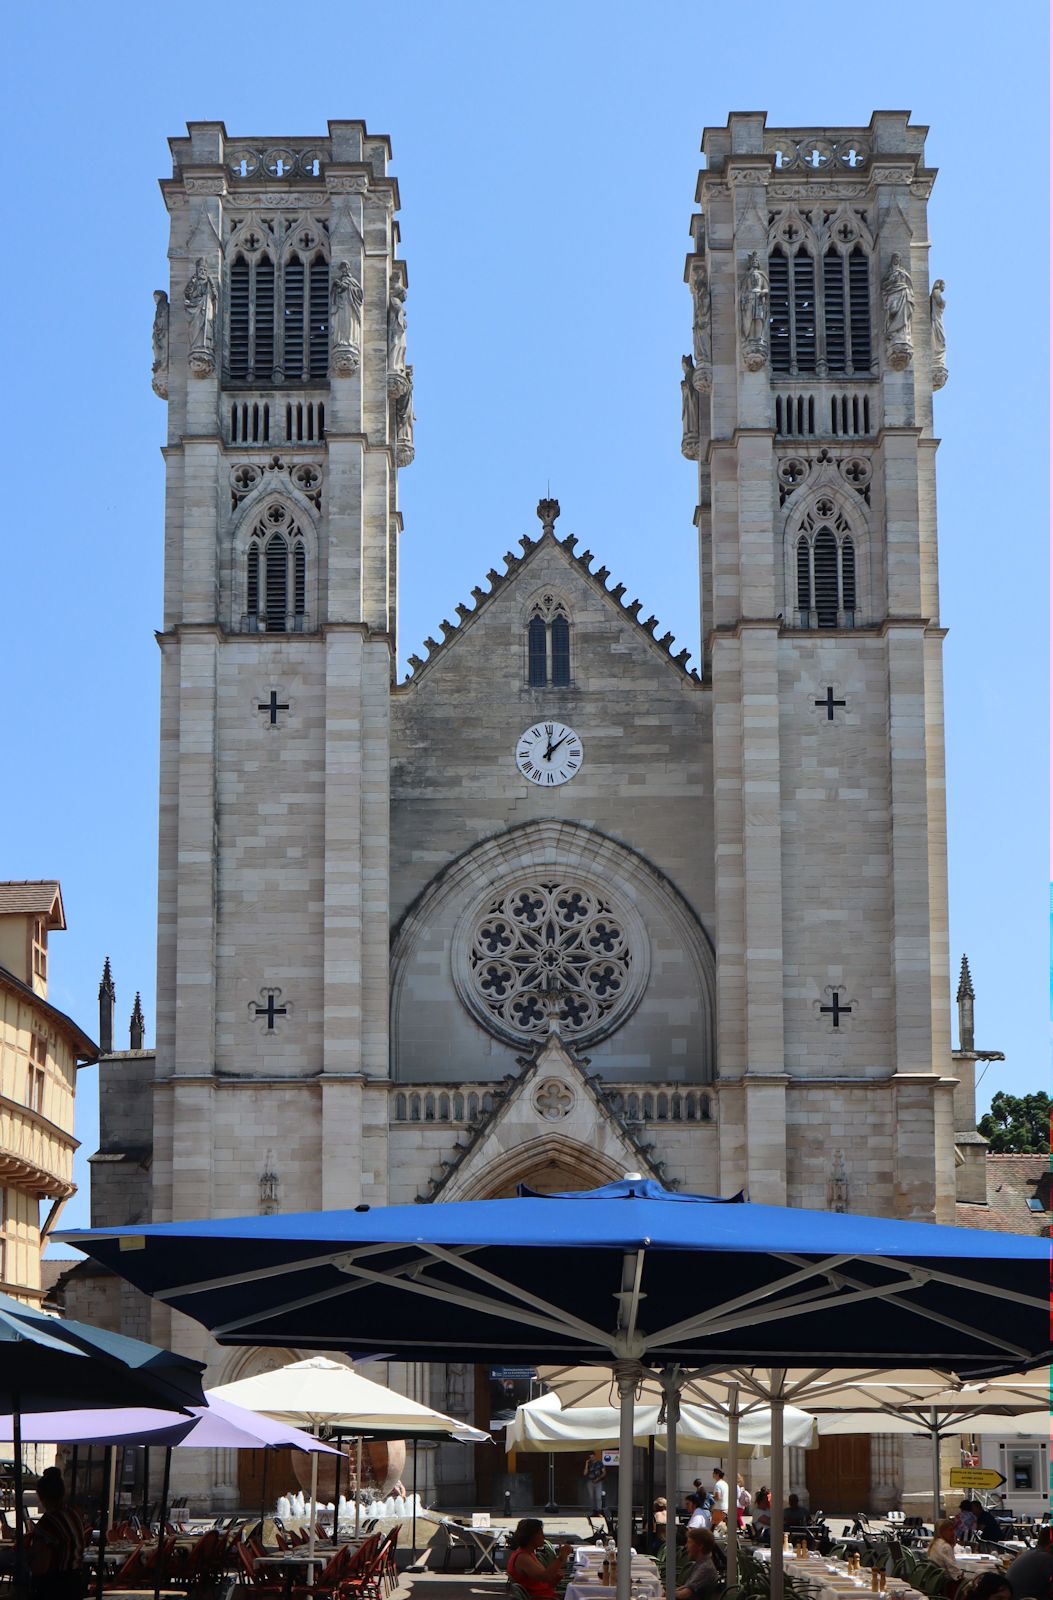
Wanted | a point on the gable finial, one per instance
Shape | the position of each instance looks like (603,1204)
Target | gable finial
(137,1025)
(548,511)
(107,997)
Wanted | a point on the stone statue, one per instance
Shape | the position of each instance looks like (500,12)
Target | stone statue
(199,298)
(703,329)
(397,380)
(754,299)
(897,294)
(688,410)
(404,420)
(159,341)
(939,338)
(345,322)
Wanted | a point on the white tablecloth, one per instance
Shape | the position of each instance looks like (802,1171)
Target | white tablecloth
(642,1583)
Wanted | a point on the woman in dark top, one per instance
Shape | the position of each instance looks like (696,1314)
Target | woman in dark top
(56,1553)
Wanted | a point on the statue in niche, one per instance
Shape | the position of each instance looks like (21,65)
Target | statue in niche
(897,294)
(397,379)
(345,321)
(159,341)
(703,329)
(404,420)
(939,338)
(199,299)
(754,299)
(688,410)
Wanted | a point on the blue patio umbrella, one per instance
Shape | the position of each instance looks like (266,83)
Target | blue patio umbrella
(54,1364)
(618,1275)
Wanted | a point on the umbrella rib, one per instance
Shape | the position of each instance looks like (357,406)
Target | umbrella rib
(796,1308)
(746,1302)
(1033,1302)
(307,1264)
(473,1270)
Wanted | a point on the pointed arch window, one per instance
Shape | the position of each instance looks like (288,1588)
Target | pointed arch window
(825,565)
(276,575)
(819,310)
(548,644)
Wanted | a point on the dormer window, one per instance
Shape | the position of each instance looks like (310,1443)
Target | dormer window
(548,644)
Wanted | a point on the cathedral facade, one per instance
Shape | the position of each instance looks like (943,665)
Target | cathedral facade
(557,906)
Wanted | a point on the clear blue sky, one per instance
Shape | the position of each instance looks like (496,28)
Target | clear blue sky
(547,156)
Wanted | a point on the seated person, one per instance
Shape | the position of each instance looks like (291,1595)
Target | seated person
(795,1515)
(698,1511)
(762,1514)
(941,1550)
(525,1567)
(987,1586)
(987,1524)
(659,1521)
(964,1522)
(56,1555)
(702,1579)
(1031,1574)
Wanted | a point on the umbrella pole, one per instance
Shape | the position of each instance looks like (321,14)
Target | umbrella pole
(628,1374)
(146,1489)
(733,1484)
(104,1519)
(263,1492)
(672,1418)
(73,1477)
(336,1491)
(777,1404)
(314,1515)
(21,1574)
(647,1520)
(358,1484)
(935,1431)
(413,1491)
(166,1481)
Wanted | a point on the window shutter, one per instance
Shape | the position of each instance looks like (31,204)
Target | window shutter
(804,311)
(252,580)
(277,583)
(779,315)
(263,322)
(300,579)
(848,575)
(293,319)
(537,668)
(238,347)
(834,310)
(825,557)
(318,334)
(560,651)
(859,308)
(804,579)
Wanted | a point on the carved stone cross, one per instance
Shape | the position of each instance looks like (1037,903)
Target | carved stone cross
(836,1010)
(830,703)
(271,1010)
(273,705)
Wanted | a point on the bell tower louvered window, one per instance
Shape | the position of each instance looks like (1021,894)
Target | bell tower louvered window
(548,645)
(819,310)
(825,573)
(306,318)
(277,302)
(250,347)
(276,575)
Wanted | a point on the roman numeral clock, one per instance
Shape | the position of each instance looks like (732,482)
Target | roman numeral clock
(549,753)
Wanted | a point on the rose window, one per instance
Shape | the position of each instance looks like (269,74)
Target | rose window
(542,943)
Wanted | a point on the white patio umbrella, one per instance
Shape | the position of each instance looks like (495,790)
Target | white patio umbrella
(545,1424)
(319,1393)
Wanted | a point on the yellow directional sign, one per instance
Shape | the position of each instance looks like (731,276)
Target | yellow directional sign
(976,1478)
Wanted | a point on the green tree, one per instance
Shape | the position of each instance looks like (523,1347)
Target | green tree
(1017,1124)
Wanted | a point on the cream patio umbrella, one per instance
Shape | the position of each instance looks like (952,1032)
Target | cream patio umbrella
(319,1393)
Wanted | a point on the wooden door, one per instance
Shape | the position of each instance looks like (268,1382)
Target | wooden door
(838,1474)
(281,1478)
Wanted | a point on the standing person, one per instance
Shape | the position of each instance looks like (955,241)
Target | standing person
(56,1554)
(987,1524)
(525,1567)
(742,1501)
(594,1473)
(719,1491)
(964,1522)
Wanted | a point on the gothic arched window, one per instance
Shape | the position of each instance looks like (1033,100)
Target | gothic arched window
(825,562)
(277,301)
(276,575)
(819,312)
(548,644)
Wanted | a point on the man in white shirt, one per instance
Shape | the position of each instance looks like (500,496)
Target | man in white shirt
(699,1517)
(719,1492)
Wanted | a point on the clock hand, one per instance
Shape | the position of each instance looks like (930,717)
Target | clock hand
(550,752)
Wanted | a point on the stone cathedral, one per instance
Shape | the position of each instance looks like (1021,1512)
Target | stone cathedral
(688,922)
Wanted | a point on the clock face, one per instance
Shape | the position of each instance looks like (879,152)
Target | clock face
(548,753)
